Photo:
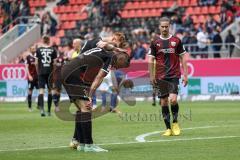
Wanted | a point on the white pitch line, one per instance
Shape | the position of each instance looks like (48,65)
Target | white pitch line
(124,143)
(141,138)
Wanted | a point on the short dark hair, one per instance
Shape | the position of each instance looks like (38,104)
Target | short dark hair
(165,19)
(123,56)
(46,39)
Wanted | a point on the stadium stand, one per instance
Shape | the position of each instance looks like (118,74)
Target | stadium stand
(138,19)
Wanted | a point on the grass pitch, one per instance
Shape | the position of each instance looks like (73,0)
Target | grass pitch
(211,131)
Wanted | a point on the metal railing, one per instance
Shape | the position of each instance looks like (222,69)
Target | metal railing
(224,49)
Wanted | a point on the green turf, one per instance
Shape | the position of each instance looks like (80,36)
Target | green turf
(25,135)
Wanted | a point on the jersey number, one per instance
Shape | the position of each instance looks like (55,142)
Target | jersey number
(46,57)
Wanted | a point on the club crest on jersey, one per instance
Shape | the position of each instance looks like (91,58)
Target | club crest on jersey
(173,44)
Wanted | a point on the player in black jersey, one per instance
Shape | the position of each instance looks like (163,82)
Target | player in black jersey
(44,63)
(32,75)
(82,76)
(56,79)
(108,43)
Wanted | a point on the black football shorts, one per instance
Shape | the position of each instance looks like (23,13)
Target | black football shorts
(73,84)
(33,84)
(44,80)
(167,86)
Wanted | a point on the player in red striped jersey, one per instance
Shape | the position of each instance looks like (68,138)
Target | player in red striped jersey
(168,52)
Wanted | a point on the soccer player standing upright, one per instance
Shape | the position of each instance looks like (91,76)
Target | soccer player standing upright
(168,52)
(32,75)
(44,63)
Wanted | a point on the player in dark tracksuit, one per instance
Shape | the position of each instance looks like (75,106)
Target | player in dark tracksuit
(44,63)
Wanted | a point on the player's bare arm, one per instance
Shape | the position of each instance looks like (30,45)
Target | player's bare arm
(30,78)
(108,46)
(151,68)
(97,81)
(36,64)
(183,61)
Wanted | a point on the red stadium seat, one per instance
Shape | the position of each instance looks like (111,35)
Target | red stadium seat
(61,9)
(204,10)
(60,33)
(124,14)
(135,5)
(201,19)
(131,13)
(68,9)
(63,17)
(56,10)
(32,11)
(189,10)
(163,4)
(146,13)
(185,3)
(196,10)
(138,13)
(76,8)
(193,3)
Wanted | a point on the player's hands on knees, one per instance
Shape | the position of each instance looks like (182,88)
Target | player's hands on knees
(153,81)
(30,78)
(89,103)
(185,81)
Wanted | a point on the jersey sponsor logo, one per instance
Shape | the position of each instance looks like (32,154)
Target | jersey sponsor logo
(167,50)
(173,44)
(14,73)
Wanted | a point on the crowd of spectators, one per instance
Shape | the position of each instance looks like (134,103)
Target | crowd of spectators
(10,11)
(105,17)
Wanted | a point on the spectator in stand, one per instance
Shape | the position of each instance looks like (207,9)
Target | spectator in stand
(89,35)
(53,24)
(186,40)
(45,24)
(193,42)
(230,39)
(203,41)
(217,42)
(188,22)
(139,51)
(5,5)
(210,24)
(207,2)
(14,8)
(24,10)
(62,2)
(106,32)
(226,17)
(82,31)
(6,22)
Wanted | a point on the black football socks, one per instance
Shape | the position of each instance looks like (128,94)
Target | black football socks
(174,109)
(86,124)
(49,102)
(41,104)
(166,116)
(29,101)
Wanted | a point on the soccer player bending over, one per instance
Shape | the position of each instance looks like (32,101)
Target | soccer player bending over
(81,77)
(168,52)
